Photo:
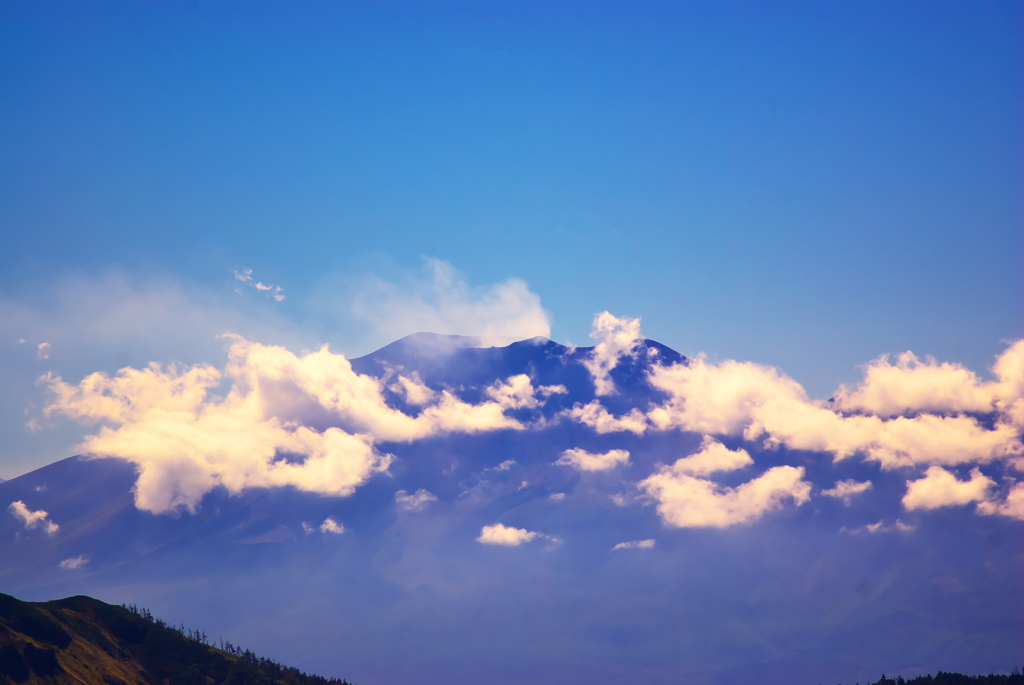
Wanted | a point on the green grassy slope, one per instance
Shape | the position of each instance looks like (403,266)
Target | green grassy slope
(83,641)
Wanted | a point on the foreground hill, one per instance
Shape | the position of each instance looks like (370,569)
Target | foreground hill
(83,640)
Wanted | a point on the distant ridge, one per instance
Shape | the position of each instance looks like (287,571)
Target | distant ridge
(81,640)
(427,345)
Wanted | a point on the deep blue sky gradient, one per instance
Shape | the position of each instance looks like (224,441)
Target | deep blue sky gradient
(805,184)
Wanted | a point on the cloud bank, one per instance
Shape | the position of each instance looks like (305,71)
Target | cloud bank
(269,417)
(307,421)
(910,414)
(760,403)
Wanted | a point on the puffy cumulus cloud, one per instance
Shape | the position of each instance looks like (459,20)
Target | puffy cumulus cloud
(307,421)
(712,457)
(517,392)
(1009,390)
(616,338)
(687,501)
(506,536)
(441,301)
(586,461)
(416,501)
(331,526)
(32,519)
(759,402)
(412,389)
(132,393)
(846,489)
(43,351)
(75,562)
(635,544)
(717,399)
(274,291)
(923,439)
(940,488)
(593,414)
(1012,506)
(911,386)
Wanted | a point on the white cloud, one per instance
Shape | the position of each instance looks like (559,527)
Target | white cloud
(186,440)
(43,351)
(635,544)
(720,399)
(441,301)
(758,402)
(881,527)
(331,526)
(32,519)
(911,386)
(601,420)
(846,489)
(1009,392)
(1012,506)
(616,338)
(940,488)
(412,389)
(587,461)
(557,496)
(686,501)
(416,501)
(517,392)
(275,291)
(712,457)
(75,562)
(506,536)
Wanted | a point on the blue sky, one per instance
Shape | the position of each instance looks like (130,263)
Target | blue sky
(808,185)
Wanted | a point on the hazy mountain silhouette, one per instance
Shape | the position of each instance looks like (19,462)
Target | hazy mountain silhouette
(408,595)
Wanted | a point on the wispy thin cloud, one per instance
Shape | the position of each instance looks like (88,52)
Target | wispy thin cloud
(416,501)
(245,277)
(846,489)
(635,544)
(440,300)
(75,562)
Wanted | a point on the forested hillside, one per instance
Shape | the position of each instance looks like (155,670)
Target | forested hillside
(943,678)
(82,640)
